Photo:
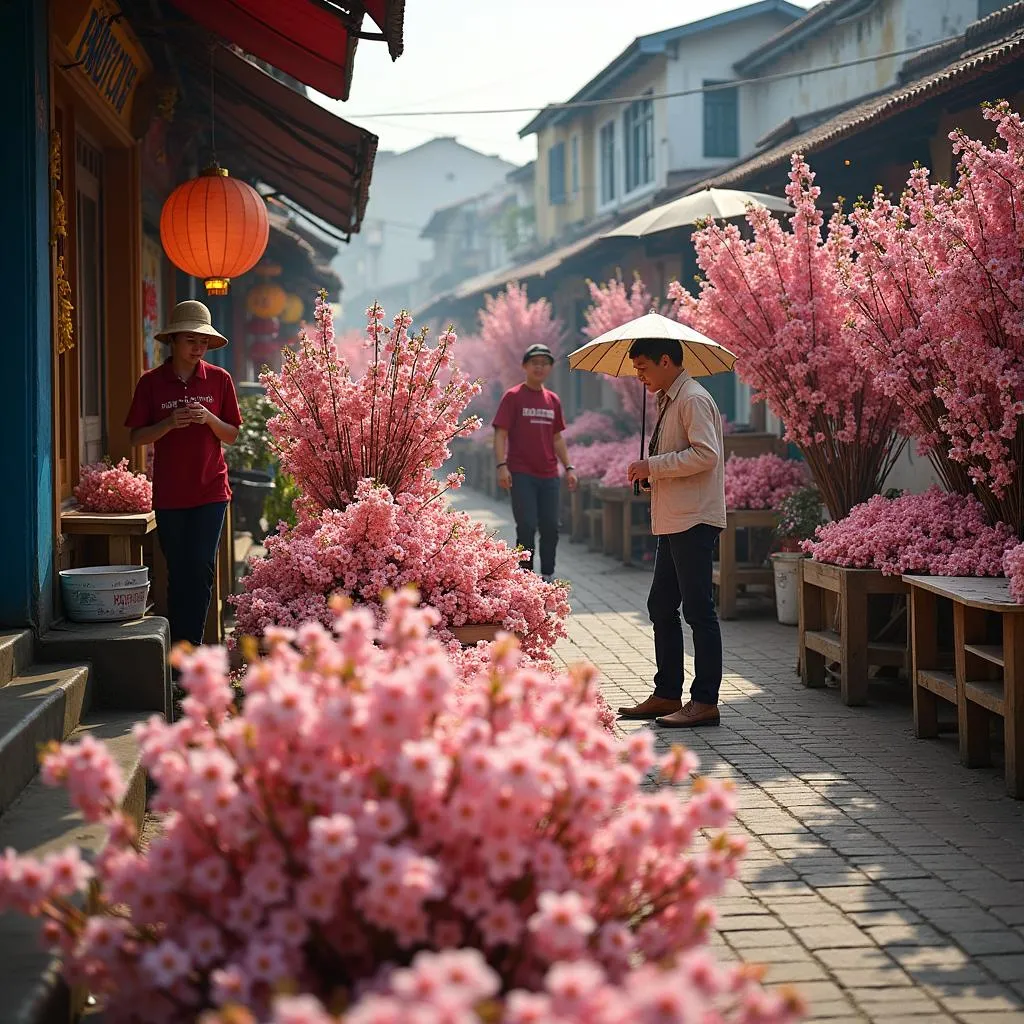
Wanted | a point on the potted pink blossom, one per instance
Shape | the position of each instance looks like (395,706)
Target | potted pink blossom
(365,447)
(800,514)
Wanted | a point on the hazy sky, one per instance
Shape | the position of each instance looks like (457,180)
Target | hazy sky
(469,54)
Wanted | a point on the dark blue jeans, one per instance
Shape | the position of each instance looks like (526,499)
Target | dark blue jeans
(535,508)
(189,538)
(682,575)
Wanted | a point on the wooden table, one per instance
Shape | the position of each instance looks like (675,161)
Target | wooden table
(124,532)
(987,677)
(822,586)
(729,574)
(617,526)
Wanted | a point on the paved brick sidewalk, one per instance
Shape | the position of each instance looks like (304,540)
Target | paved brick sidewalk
(883,878)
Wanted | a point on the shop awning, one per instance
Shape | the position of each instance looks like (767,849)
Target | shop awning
(268,131)
(389,16)
(302,38)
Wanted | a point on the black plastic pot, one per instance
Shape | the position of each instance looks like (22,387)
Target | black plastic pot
(250,489)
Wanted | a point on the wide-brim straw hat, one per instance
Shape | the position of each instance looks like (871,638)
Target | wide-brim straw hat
(192,317)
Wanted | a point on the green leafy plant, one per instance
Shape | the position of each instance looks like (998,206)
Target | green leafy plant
(253,448)
(799,516)
(280,503)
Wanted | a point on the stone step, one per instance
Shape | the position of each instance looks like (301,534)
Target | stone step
(44,703)
(15,653)
(42,820)
(129,660)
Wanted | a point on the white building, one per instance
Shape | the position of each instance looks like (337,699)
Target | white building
(594,161)
(383,261)
(838,32)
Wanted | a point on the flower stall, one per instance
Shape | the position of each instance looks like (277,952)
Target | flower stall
(754,487)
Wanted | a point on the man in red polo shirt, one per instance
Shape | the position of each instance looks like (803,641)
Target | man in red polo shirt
(186,408)
(528,445)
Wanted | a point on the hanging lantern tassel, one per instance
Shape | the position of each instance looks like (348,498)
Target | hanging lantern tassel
(214,227)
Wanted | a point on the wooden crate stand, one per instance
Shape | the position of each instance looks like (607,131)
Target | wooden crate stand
(618,524)
(748,444)
(822,586)
(987,679)
(729,574)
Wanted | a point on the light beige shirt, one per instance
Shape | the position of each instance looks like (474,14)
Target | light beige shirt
(687,473)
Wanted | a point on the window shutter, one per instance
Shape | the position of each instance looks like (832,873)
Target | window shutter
(556,174)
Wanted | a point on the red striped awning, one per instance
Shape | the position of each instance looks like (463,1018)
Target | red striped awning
(268,132)
(302,38)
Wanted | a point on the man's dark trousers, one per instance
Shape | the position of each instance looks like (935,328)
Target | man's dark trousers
(682,575)
(189,538)
(535,507)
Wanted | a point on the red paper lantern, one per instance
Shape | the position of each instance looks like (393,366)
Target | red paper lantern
(214,227)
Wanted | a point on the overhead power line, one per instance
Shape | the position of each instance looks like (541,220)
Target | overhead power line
(624,100)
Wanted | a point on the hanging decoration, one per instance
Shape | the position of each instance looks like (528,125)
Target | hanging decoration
(262,337)
(214,227)
(293,309)
(267,300)
(64,322)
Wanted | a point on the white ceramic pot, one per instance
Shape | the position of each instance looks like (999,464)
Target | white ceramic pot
(787,582)
(105,593)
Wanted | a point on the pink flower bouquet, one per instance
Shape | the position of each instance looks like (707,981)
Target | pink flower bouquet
(1013,566)
(936,533)
(606,461)
(103,487)
(590,427)
(762,481)
(354,818)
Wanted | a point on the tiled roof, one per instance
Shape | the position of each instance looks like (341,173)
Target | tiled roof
(971,64)
(819,17)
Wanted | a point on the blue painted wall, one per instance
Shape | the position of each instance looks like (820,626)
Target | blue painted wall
(26,434)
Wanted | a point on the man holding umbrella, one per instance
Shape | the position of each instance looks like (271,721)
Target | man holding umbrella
(684,470)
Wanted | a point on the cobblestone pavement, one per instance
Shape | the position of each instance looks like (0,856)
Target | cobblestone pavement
(883,878)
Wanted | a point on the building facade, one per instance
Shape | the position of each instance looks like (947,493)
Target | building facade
(612,157)
(100,127)
(384,261)
(801,79)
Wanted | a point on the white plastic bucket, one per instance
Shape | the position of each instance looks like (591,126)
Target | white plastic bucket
(105,593)
(787,582)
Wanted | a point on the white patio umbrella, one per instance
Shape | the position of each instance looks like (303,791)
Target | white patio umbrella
(609,354)
(717,203)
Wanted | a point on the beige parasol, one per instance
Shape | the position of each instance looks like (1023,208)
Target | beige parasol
(716,203)
(609,354)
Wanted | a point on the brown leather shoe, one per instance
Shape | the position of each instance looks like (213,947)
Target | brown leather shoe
(690,716)
(651,708)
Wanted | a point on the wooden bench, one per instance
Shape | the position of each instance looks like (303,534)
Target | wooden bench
(986,677)
(729,575)
(834,594)
(618,524)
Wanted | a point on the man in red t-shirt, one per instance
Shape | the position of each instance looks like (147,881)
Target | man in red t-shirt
(528,445)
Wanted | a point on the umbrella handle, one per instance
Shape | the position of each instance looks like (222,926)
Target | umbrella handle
(643,432)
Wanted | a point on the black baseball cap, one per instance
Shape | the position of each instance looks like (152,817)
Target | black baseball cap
(537,350)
